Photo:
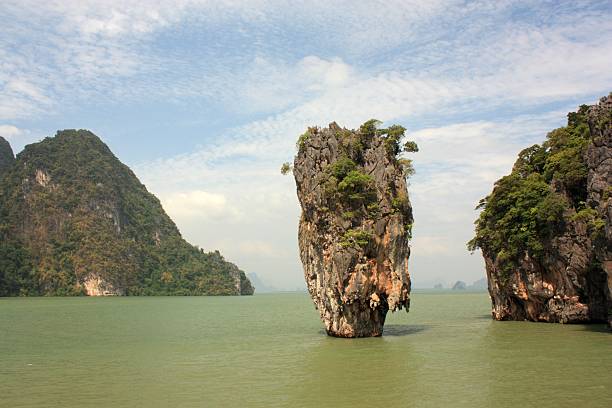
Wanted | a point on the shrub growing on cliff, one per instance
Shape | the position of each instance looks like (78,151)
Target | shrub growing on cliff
(393,134)
(370,127)
(302,139)
(285,168)
(591,218)
(408,229)
(355,237)
(411,147)
(400,203)
(342,167)
(356,185)
(407,166)
(345,181)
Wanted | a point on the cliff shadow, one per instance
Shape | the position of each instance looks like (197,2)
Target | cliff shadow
(394,330)
(398,330)
(597,327)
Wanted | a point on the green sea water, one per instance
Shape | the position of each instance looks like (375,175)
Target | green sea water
(270,350)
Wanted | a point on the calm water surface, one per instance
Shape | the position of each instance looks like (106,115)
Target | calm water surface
(270,350)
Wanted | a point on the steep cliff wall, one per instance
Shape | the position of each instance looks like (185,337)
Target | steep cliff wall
(545,229)
(355,225)
(75,220)
(599,185)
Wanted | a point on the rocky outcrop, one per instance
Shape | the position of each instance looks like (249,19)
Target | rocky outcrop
(599,186)
(355,226)
(6,155)
(560,287)
(545,230)
(242,283)
(96,286)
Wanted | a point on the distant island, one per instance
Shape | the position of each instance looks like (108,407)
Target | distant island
(459,285)
(478,285)
(260,284)
(74,220)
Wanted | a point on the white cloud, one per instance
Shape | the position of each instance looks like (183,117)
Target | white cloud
(110,18)
(199,204)
(20,96)
(23,87)
(9,131)
(272,85)
(320,74)
(405,56)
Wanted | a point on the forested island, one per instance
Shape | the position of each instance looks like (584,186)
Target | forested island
(545,231)
(74,220)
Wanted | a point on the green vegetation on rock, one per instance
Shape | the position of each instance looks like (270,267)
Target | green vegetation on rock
(529,206)
(71,214)
(302,139)
(355,237)
(349,190)
(345,182)
(285,168)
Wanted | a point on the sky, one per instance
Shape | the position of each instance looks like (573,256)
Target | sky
(204,100)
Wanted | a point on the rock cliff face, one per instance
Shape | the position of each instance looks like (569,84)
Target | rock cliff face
(545,230)
(74,220)
(355,225)
(599,186)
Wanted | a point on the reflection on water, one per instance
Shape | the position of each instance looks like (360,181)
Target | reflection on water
(270,350)
(394,330)
(403,329)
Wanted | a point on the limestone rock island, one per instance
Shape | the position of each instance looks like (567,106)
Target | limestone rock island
(545,230)
(355,225)
(74,220)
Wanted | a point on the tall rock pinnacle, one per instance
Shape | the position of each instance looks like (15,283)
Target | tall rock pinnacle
(355,226)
